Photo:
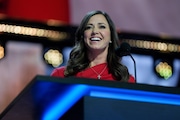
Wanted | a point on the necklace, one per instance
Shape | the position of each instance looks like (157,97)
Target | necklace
(99,74)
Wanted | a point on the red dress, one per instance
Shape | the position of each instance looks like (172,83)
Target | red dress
(90,73)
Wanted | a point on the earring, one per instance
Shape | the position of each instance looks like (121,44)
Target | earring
(110,41)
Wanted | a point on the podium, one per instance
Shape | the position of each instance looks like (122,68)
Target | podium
(52,98)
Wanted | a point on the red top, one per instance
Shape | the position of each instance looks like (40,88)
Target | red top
(91,73)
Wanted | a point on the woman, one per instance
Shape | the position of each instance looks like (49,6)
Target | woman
(93,55)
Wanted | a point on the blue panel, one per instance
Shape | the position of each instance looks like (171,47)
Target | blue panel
(73,93)
(135,95)
(64,102)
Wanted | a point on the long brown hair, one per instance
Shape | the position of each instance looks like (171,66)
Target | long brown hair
(78,59)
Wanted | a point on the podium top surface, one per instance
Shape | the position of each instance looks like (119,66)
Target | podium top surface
(110,84)
(49,97)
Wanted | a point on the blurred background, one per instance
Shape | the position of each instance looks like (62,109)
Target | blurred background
(36,36)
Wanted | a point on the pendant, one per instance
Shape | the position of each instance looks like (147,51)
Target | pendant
(99,76)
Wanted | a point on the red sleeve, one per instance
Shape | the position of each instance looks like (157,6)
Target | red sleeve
(131,79)
(58,72)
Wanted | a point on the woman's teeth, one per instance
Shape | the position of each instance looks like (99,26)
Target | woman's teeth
(95,39)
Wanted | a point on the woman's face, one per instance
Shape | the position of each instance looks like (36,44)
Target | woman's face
(97,33)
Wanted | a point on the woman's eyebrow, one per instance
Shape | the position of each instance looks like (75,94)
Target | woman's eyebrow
(102,23)
(89,24)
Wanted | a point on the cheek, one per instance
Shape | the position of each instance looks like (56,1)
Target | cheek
(86,34)
(107,35)
(85,37)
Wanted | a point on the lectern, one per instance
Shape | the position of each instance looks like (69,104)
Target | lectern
(52,98)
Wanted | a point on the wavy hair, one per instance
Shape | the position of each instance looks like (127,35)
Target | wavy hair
(78,59)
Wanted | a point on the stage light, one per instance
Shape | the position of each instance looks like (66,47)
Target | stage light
(2,49)
(163,68)
(53,57)
(154,45)
(2,52)
(34,31)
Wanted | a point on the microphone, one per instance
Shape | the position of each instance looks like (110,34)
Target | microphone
(124,50)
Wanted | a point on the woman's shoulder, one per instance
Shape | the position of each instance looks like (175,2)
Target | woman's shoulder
(58,72)
(131,79)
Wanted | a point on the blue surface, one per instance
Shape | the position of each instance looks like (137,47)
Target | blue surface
(69,94)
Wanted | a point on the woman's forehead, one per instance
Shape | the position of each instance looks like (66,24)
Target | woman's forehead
(98,18)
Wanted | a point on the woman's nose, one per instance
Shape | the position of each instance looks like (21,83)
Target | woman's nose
(95,31)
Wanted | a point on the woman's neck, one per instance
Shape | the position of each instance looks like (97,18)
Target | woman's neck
(96,58)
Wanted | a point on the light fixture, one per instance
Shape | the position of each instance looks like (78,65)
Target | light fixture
(154,45)
(2,50)
(34,31)
(53,57)
(163,67)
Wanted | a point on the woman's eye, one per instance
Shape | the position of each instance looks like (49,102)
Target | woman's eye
(88,27)
(102,26)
